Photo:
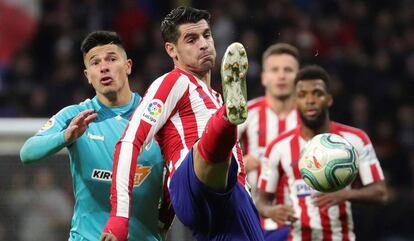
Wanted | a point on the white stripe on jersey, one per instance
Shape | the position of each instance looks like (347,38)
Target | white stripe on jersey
(176,121)
(351,234)
(122,183)
(201,117)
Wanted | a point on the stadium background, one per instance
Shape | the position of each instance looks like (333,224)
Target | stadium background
(367,46)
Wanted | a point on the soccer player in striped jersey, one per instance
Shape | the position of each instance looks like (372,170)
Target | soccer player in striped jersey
(317,216)
(197,135)
(89,131)
(269,116)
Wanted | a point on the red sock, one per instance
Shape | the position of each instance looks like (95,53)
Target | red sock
(218,138)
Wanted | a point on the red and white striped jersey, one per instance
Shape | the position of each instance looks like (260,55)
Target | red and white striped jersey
(335,223)
(261,127)
(175,109)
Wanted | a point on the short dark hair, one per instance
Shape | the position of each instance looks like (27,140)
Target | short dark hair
(178,16)
(280,48)
(98,38)
(312,72)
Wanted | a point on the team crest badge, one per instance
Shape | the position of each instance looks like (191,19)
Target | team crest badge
(50,123)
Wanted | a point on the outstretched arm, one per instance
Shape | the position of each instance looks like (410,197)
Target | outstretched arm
(374,193)
(39,147)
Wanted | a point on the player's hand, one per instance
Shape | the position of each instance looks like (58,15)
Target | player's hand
(250,163)
(282,214)
(326,200)
(108,237)
(116,229)
(79,124)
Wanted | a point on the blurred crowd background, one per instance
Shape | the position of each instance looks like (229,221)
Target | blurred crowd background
(367,46)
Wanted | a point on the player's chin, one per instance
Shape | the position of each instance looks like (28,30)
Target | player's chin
(110,93)
(311,118)
(313,121)
(207,64)
(282,95)
(107,88)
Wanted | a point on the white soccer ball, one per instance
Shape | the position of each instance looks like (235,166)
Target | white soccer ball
(328,163)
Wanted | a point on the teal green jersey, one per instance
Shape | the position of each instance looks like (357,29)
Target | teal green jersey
(91,158)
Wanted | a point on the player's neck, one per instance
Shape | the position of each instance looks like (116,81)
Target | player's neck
(116,99)
(307,132)
(207,78)
(281,107)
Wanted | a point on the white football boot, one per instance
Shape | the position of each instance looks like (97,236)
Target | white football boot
(233,77)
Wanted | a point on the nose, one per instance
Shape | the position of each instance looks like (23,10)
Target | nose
(203,43)
(104,67)
(310,100)
(282,75)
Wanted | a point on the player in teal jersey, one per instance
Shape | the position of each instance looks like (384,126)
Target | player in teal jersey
(90,131)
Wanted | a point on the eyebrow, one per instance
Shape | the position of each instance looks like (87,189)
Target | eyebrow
(109,53)
(316,88)
(192,34)
(189,35)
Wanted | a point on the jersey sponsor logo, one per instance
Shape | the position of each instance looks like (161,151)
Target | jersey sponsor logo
(141,173)
(49,124)
(153,111)
(96,137)
(302,189)
(102,175)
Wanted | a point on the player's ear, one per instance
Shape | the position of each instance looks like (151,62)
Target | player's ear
(171,50)
(263,78)
(129,66)
(85,72)
(330,100)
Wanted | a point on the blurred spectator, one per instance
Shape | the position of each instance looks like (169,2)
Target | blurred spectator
(131,22)
(405,117)
(43,211)
(360,113)
(19,22)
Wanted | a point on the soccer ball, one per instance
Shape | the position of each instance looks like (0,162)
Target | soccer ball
(328,163)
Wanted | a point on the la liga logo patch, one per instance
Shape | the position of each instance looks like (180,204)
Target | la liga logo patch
(153,111)
(155,107)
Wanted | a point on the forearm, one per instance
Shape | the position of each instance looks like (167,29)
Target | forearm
(39,147)
(265,209)
(374,192)
(263,203)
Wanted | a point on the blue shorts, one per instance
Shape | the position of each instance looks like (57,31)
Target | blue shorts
(280,234)
(229,216)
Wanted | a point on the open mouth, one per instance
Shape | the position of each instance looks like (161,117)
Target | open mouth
(106,80)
